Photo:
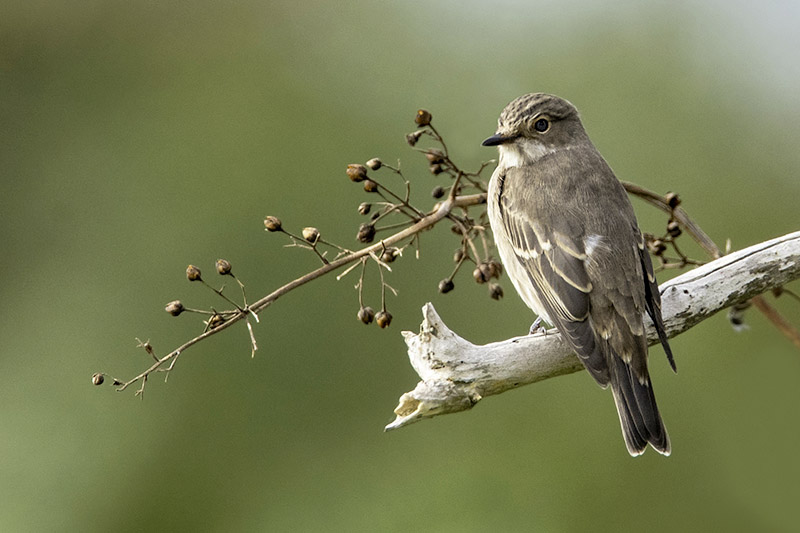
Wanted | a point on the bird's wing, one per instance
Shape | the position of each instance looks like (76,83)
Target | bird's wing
(555,264)
(653,300)
(593,278)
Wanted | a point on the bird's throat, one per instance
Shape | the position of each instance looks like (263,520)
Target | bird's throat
(518,154)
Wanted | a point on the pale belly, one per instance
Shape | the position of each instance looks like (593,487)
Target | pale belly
(513,268)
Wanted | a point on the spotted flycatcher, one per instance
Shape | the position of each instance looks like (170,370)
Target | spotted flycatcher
(567,235)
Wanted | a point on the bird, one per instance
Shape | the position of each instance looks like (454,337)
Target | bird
(568,238)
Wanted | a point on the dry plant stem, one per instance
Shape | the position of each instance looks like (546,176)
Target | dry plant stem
(455,374)
(426,222)
(713,250)
(680,215)
(775,317)
(444,210)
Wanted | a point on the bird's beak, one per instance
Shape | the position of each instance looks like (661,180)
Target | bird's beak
(496,139)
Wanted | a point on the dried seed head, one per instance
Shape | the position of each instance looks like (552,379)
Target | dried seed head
(374,163)
(175,308)
(436,169)
(437,191)
(656,247)
(311,234)
(479,275)
(364,208)
(390,254)
(495,269)
(193,273)
(673,200)
(413,137)
(434,155)
(383,318)
(272,223)
(674,229)
(98,378)
(370,186)
(223,267)
(366,315)
(495,291)
(356,172)
(446,285)
(486,270)
(423,117)
(366,233)
(736,316)
(216,321)
(458,255)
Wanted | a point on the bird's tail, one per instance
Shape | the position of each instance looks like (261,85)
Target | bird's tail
(638,413)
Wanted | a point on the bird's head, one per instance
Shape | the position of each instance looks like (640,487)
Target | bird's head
(533,125)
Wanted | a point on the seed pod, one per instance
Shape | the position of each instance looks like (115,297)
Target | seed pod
(413,137)
(364,208)
(374,163)
(674,229)
(390,254)
(486,271)
(436,169)
(673,200)
(479,276)
(434,155)
(216,321)
(458,255)
(656,247)
(272,223)
(446,285)
(193,273)
(437,191)
(311,234)
(366,315)
(175,308)
(495,269)
(356,172)
(366,233)
(495,291)
(223,267)
(423,117)
(370,186)
(383,318)
(98,378)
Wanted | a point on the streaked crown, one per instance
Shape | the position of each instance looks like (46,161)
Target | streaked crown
(523,112)
(534,124)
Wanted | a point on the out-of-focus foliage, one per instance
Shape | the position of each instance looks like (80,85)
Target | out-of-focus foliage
(139,137)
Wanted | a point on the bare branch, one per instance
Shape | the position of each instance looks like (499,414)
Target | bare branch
(678,213)
(456,374)
(442,211)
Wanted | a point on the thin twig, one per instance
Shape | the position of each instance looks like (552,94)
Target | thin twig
(444,209)
(789,331)
(689,225)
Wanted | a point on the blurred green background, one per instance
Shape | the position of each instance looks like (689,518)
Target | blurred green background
(138,137)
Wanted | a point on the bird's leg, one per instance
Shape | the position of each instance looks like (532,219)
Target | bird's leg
(537,327)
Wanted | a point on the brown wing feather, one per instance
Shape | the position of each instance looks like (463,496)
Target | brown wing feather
(595,299)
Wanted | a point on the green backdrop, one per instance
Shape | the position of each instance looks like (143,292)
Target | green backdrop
(138,137)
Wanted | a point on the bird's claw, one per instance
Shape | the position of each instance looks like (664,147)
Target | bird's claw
(537,327)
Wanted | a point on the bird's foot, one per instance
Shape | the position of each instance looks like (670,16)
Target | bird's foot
(537,327)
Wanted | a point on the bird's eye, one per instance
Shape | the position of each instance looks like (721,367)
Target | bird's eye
(542,125)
